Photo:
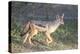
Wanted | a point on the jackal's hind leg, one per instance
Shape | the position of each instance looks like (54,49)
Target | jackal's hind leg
(33,33)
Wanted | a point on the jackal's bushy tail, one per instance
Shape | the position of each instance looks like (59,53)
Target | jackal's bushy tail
(25,30)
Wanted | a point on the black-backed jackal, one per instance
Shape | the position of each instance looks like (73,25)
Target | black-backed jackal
(47,27)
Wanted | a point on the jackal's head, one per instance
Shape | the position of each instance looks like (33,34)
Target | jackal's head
(60,19)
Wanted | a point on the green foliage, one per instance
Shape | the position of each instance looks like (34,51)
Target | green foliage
(65,37)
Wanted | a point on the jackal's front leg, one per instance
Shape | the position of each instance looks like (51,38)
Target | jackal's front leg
(49,39)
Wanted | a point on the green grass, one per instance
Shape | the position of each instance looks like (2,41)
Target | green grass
(65,37)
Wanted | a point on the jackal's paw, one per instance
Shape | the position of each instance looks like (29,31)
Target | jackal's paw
(48,41)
